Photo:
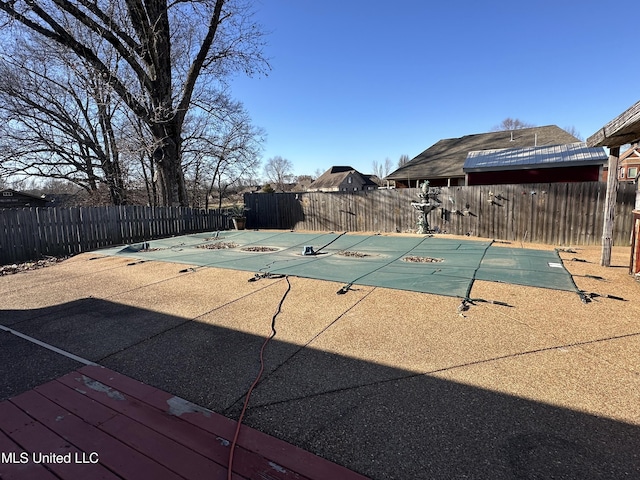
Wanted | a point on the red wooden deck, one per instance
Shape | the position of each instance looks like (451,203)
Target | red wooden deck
(95,423)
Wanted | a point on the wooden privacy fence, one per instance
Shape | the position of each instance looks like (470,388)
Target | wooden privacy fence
(31,233)
(551,213)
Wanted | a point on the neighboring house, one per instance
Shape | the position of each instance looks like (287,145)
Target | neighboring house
(302,185)
(629,164)
(342,179)
(376,179)
(442,163)
(574,162)
(13,199)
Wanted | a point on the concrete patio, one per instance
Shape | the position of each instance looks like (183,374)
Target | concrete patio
(387,383)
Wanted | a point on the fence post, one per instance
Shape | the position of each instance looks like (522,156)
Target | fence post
(610,206)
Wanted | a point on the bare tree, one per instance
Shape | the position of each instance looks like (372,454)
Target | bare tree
(279,172)
(381,170)
(572,130)
(511,124)
(136,143)
(222,151)
(168,48)
(58,121)
(403,160)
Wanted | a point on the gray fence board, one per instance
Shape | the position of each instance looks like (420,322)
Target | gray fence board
(552,213)
(31,233)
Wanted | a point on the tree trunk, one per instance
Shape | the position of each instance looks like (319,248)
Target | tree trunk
(171,186)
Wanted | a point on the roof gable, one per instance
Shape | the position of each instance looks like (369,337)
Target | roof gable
(335,176)
(631,156)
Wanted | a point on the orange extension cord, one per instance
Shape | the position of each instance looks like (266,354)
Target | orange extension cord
(255,382)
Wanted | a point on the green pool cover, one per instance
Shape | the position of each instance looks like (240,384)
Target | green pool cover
(427,264)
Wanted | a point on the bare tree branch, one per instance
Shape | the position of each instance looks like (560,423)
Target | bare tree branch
(165,51)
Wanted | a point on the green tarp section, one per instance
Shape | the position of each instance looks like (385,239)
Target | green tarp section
(426,264)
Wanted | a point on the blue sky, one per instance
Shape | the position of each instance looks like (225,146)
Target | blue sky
(357,81)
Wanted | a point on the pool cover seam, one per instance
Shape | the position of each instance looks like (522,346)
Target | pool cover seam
(475,271)
(266,254)
(313,257)
(234,234)
(573,281)
(196,245)
(388,263)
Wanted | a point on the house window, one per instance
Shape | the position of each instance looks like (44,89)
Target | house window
(632,172)
(350,180)
(621,174)
(7,194)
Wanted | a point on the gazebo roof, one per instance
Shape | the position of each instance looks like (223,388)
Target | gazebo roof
(623,129)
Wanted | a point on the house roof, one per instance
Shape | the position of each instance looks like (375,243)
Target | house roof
(446,158)
(374,178)
(23,194)
(567,155)
(623,129)
(631,156)
(333,177)
(302,185)
(10,198)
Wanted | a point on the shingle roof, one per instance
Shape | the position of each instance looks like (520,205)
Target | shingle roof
(446,158)
(24,194)
(333,177)
(573,154)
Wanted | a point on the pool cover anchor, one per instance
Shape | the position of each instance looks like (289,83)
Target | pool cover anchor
(187,270)
(464,306)
(309,251)
(492,302)
(587,297)
(467,302)
(345,289)
(260,276)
